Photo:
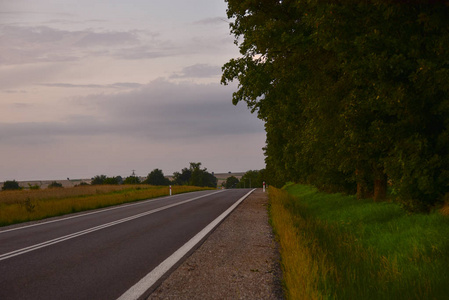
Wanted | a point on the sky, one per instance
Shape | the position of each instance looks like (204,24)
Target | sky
(91,87)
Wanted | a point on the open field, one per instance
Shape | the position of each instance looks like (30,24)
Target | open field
(335,246)
(28,205)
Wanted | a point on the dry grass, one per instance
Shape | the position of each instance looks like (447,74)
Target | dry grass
(28,205)
(301,272)
(445,210)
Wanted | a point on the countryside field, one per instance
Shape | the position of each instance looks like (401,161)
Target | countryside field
(28,205)
(337,247)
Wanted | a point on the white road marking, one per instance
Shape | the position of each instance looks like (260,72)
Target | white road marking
(140,288)
(91,213)
(93,229)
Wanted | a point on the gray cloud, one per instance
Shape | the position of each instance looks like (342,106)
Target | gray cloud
(22,44)
(211,21)
(91,39)
(198,71)
(158,111)
(117,85)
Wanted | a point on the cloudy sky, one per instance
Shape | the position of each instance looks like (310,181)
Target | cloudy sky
(91,87)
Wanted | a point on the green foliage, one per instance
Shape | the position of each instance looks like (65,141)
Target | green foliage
(231,182)
(156,177)
(353,96)
(10,185)
(103,179)
(252,179)
(131,180)
(195,176)
(99,179)
(183,177)
(33,187)
(113,180)
(55,184)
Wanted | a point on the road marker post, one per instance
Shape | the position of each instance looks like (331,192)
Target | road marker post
(170,189)
(264,186)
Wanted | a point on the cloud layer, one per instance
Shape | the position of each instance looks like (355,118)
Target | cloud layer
(157,111)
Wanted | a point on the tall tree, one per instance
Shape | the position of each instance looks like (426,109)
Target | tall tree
(352,92)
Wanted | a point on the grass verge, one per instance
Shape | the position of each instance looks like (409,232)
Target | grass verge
(337,247)
(30,205)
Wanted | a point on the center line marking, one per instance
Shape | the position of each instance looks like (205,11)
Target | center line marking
(93,229)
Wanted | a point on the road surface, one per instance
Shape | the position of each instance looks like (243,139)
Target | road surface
(107,254)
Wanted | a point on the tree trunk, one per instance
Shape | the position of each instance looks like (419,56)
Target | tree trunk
(362,190)
(362,187)
(380,187)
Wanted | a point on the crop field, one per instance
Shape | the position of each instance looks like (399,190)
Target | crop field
(28,205)
(334,246)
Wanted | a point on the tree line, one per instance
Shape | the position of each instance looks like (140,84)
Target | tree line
(354,94)
(193,175)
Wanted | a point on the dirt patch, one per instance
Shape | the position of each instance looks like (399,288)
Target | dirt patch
(239,260)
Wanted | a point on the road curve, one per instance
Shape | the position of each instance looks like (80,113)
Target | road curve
(108,253)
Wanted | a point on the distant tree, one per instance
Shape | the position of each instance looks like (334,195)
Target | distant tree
(10,185)
(131,180)
(209,180)
(156,177)
(195,176)
(231,182)
(251,179)
(99,179)
(182,178)
(113,180)
(55,184)
(200,177)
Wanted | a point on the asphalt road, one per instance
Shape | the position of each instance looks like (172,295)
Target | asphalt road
(103,254)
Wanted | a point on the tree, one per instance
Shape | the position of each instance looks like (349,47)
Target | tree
(182,178)
(156,177)
(131,180)
(352,95)
(252,179)
(98,179)
(231,182)
(200,177)
(113,180)
(195,176)
(103,179)
(10,185)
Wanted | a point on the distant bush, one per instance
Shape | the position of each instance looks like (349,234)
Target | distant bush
(131,180)
(82,183)
(113,180)
(34,187)
(55,184)
(10,185)
(99,179)
(102,179)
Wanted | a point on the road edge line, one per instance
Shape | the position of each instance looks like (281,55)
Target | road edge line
(139,290)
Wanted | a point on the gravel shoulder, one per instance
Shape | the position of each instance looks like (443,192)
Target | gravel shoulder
(239,260)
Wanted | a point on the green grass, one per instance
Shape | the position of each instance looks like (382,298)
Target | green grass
(361,249)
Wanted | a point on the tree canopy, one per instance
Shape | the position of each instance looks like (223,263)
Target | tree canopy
(354,94)
(156,177)
(195,176)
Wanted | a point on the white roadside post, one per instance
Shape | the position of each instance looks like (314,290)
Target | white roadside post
(264,186)
(170,189)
